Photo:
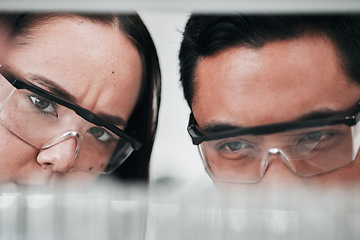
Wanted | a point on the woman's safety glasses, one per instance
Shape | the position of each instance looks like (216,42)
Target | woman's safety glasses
(43,119)
(308,147)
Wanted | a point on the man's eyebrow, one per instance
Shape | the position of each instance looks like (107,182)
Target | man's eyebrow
(216,127)
(61,92)
(53,87)
(327,113)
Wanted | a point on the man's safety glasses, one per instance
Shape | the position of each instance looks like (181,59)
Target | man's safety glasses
(43,119)
(307,147)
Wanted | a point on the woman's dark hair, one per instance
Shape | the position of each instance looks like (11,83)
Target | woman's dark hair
(207,34)
(143,120)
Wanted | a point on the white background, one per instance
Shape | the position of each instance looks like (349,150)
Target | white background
(174,158)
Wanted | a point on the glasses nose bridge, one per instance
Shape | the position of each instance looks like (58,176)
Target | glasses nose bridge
(271,152)
(63,137)
(73,125)
(75,122)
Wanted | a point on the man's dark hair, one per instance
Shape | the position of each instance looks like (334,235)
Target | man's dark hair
(206,35)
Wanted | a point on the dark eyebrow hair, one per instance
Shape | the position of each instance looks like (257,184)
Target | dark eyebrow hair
(115,120)
(216,127)
(52,87)
(322,114)
(62,93)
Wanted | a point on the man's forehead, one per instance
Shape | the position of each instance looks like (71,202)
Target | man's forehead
(303,74)
(262,68)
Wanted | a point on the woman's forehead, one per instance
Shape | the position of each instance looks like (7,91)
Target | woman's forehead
(96,63)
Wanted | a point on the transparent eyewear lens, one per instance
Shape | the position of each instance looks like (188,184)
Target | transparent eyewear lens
(43,123)
(307,152)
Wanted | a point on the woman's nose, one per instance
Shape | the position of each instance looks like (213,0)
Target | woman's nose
(61,156)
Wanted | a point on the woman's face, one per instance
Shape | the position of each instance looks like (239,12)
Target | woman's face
(97,65)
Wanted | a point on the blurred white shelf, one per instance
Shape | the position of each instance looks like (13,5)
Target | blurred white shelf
(184,5)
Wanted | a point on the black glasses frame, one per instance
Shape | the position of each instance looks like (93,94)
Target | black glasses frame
(197,137)
(20,83)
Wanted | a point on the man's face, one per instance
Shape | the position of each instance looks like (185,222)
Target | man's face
(280,82)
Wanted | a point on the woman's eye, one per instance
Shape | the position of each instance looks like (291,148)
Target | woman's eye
(44,105)
(101,134)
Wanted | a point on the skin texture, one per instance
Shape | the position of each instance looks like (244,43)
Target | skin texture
(3,40)
(98,65)
(282,81)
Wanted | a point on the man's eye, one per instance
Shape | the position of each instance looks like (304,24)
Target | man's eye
(233,149)
(236,146)
(315,137)
(101,134)
(316,140)
(44,105)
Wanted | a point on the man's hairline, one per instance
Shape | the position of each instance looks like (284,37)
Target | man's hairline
(310,33)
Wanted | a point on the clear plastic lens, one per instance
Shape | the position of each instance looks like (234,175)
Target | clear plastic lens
(39,121)
(307,152)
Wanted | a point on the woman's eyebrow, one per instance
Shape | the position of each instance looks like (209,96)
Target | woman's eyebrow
(53,87)
(61,92)
(115,120)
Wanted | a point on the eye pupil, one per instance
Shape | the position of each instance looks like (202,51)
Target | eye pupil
(97,132)
(233,146)
(41,103)
(316,136)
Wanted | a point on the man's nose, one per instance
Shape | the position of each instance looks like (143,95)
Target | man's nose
(61,156)
(277,173)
